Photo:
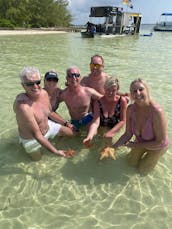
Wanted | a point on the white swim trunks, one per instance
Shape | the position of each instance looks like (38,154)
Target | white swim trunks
(32,145)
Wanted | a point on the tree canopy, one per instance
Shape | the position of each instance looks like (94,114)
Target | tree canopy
(34,13)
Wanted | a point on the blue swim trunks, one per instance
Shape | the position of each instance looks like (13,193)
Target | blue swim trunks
(82,122)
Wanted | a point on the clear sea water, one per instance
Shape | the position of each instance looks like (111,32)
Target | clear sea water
(82,192)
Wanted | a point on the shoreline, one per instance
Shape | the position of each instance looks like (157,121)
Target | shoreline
(4,32)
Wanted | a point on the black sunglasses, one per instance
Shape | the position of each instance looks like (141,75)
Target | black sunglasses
(71,75)
(52,79)
(31,84)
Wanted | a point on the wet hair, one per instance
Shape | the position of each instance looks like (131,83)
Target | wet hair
(27,73)
(72,67)
(139,80)
(111,81)
(99,56)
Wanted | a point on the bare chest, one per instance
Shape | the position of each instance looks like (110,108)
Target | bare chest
(41,111)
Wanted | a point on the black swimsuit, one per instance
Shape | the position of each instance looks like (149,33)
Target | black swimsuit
(110,121)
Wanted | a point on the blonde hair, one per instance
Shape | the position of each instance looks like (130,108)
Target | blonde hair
(111,81)
(139,80)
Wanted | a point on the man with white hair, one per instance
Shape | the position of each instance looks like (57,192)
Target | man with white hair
(32,110)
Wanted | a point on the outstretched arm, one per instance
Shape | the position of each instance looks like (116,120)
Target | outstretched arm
(92,130)
(27,119)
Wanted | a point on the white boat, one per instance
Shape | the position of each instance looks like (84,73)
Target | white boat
(165,23)
(114,22)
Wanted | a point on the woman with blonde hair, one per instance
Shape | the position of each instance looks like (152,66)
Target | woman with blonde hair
(109,112)
(147,123)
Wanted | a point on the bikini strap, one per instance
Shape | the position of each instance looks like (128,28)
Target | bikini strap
(100,107)
(118,106)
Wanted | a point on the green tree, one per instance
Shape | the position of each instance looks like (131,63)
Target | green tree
(35,13)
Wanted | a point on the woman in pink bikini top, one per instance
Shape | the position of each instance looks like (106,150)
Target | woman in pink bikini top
(145,120)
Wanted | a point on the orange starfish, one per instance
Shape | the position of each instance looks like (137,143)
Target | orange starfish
(70,153)
(107,152)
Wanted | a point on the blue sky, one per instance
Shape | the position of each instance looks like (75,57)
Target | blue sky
(150,9)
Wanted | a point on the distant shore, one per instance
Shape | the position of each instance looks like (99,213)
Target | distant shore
(29,31)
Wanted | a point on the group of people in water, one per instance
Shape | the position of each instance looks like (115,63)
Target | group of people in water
(93,101)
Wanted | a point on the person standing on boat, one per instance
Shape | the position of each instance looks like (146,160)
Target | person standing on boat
(51,86)
(78,98)
(32,110)
(147,123)
(109,112)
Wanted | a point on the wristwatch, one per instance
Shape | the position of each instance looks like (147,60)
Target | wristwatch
(66,123)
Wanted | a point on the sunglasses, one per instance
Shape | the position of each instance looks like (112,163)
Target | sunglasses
(52,79)
(31,84)
(96,66)
(71,75)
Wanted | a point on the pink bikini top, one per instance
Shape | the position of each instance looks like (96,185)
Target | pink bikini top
(147,133)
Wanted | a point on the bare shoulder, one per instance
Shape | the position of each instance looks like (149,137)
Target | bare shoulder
(59,91)
(105,75)
(157,110)
(44,92)
(22,97)
(130,108)
(123,101)
(90,89)
(93,92)
(85,80)
(63,93)
(21,103)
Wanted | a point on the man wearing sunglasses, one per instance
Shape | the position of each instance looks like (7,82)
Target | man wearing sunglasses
(78,98)
(97,78)
(32,110)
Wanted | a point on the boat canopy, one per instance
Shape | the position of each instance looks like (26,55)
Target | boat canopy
(166,14)
(116,21)
(103,11)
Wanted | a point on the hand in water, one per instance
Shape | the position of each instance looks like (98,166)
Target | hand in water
(61,153)
(87,143)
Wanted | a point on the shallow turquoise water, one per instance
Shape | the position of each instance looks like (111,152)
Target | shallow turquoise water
(83,192)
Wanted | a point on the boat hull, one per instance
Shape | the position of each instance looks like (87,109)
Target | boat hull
(163,28)
(86,34)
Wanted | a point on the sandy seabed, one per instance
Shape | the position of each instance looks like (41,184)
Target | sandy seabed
(28,32)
